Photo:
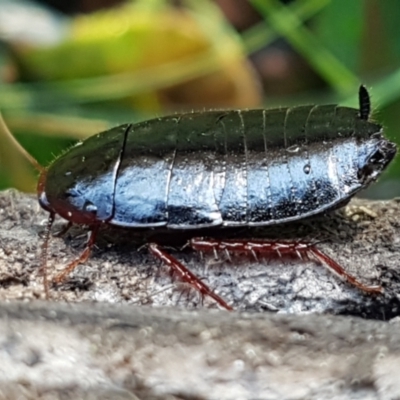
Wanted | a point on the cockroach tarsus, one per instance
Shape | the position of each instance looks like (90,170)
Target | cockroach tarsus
(217,169)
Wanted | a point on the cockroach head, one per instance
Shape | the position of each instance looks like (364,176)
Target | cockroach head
(375,156)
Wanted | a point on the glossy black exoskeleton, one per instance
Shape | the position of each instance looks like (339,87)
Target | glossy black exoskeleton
(218,169)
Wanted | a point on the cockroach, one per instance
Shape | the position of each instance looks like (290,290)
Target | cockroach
(214,170)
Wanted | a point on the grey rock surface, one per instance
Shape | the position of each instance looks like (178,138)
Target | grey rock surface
(363,237)
(74,351)
(187,348)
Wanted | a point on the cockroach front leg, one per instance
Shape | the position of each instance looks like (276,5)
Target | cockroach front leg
(81,259)
(69,268)
(43,258)
(63,230)
(265,247)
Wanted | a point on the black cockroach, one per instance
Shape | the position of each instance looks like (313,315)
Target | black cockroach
(217,169)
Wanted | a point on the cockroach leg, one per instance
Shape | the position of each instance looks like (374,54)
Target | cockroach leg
(185,275)
(335,267)
(64,230)
(81,259)
(264,247)
(227,255)
(254,255)
(251,246)
(43,258)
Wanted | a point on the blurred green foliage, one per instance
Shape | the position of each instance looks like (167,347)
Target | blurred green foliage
(178,60)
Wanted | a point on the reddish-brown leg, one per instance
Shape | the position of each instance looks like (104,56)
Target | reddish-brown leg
(43,258)
(185,275)
(64,230)
(335,267)
(264,247)
(81,259)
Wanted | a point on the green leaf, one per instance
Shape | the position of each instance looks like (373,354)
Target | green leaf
(390,12)
(339,27)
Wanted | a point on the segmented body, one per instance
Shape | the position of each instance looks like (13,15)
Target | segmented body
(218,169)
(233,168)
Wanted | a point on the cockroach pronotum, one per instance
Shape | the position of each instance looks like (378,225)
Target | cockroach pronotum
(217,169)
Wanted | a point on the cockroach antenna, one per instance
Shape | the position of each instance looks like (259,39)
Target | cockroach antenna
(365,103)
(4,129)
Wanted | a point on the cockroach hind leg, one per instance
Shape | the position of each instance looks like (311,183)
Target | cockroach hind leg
(185,275)
(265,247)
(333,266)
